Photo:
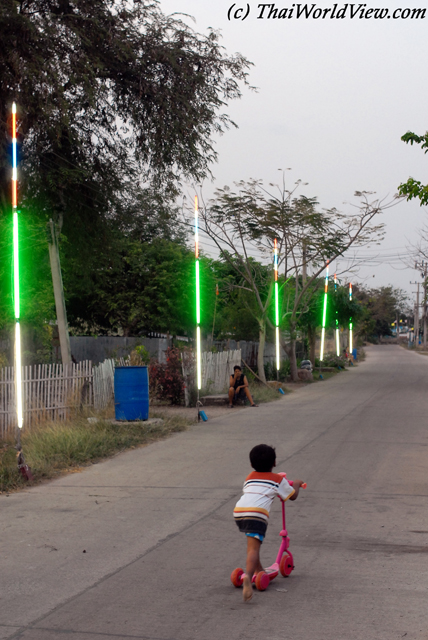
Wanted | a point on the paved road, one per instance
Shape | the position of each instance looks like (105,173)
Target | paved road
(156,525)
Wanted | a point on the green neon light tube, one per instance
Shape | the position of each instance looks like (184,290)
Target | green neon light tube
(324,313)
(18,368)
(16,264)
(198,357)
(198,301)
(276,305)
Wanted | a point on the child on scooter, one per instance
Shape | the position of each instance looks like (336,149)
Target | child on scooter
(251,512)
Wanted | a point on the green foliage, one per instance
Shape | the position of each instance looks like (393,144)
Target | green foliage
(381,307)
(140,287)
(143,353)
(260,393)
(111,89)
(331,360)
(139,356)
(237,308)
(414,188)
(342,308)
(116,102)
(36,292)
(36,299)
(253,217)
(284,372)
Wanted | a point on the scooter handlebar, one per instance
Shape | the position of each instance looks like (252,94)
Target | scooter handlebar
(302,486)
(291,482)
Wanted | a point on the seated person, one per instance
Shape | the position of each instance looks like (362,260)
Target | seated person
(238,387)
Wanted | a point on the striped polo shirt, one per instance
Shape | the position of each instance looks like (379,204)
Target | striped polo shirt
(260,488)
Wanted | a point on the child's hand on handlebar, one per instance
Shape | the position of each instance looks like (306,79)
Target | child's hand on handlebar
(297,484)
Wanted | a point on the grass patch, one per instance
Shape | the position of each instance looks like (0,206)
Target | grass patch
(54,448)
(261,393)
(361,354)
(325,375)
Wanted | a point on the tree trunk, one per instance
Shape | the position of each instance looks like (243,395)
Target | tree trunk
(312,336)
(290,350)
(293,360)
(261,351)
(61,312)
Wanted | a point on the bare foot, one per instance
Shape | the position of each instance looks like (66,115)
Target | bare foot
(248,589)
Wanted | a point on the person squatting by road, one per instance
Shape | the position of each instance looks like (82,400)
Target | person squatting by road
(238,387)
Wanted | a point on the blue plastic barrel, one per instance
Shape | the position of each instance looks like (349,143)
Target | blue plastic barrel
(131,393)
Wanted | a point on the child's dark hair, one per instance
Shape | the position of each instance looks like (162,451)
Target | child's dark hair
(237,367)
(263,457)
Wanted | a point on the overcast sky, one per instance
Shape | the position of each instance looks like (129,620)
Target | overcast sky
(334,98)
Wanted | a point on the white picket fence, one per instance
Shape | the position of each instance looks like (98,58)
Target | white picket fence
(216,369)
(103,384)
(51,391)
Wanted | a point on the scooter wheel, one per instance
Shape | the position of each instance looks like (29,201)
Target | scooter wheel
(262,581)
(237,577)
(286,565)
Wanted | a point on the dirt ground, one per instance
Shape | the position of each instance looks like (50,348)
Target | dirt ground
(191,413)
(212,411)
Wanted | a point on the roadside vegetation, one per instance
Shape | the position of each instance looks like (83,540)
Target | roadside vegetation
(103,131)
(55,448)
(261,393)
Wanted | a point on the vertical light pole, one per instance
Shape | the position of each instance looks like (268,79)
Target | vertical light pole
(198,305)
(324,314)
(337,321)
(351,346)
(18,370)
(275,271)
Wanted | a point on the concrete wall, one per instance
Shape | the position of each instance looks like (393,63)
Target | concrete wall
(99,348)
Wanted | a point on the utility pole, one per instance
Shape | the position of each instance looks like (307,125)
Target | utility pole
(416,315)
(61,313)
(423,266)
(425,306)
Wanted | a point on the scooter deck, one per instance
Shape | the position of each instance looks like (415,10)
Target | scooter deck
(271,572)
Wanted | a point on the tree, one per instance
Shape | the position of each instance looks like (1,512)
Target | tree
(307,237)
(36,295)
(414,188)
(116,102)
(138,287)
(108,90)
(238,311)
(382,308)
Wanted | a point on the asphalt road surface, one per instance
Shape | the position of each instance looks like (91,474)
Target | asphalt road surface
(142,546)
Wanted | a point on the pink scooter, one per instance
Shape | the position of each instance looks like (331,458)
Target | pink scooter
(284,560)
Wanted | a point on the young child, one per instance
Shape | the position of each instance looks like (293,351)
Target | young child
(251,512)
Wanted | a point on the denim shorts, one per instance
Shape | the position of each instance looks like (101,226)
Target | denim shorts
(258,536)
